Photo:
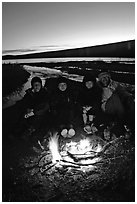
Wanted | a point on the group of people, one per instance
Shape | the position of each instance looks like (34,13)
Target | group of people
(99,101)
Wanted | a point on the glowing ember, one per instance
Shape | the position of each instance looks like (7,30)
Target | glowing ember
(90,161)
(84,145)
(98,148)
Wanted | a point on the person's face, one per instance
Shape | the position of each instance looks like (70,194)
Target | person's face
(105,81)
(36,86)
(62,86)
(89,84)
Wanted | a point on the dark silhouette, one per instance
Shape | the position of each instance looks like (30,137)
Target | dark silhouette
(89,100)
(62,105)
(34,106)
(13,77)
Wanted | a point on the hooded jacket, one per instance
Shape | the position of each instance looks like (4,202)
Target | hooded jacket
(90,97)
(62,99)
(34,100)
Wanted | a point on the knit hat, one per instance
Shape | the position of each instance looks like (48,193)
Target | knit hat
(103,74)
(89,77)
(61,80)
(36,79)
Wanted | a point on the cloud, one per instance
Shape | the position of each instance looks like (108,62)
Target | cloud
(18,51)
(36,49)
(48,46)
(64,46)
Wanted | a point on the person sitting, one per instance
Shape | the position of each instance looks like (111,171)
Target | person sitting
(34,106)
(62,107)
(116,101)
(89,99)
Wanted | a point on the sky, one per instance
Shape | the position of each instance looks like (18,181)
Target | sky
(46,26)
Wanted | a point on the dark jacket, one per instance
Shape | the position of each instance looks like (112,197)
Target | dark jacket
(90,97)
(62,99)
(35,101)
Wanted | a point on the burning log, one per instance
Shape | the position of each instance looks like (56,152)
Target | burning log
(42,170)
(78,157)
(69,164)
(76,164)
(41,146)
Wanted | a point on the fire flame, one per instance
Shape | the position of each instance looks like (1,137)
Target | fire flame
(54,148)
(84,147)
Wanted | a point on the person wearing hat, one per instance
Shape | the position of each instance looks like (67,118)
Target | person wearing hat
(115,99)
(34,106)
(62,107)
(111,102)
(89,99)
(36,97)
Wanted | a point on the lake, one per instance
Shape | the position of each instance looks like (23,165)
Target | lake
(54,60)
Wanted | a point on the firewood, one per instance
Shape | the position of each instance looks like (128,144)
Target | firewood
(41,146)
(108,145)
(78,164)
(44,170)
(77,157)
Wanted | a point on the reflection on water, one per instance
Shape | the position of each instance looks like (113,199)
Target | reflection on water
(54,60)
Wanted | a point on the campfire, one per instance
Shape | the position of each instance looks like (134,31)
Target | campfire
(81,155)
(74,154)
(84,154)
(74,165)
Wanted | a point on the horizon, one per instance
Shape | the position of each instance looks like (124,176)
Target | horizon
(35,27)
(22,53)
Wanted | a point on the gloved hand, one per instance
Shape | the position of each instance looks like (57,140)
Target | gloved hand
(29,113)
(86,109)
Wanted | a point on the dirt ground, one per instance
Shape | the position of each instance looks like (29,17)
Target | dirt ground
(112,181)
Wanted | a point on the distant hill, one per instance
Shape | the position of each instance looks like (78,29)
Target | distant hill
(119,49)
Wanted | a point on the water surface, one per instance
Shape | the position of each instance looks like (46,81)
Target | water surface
(54,60)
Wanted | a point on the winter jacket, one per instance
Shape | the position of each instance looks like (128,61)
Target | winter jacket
(61,100)
(115,88)
(91,97)
(35,100)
